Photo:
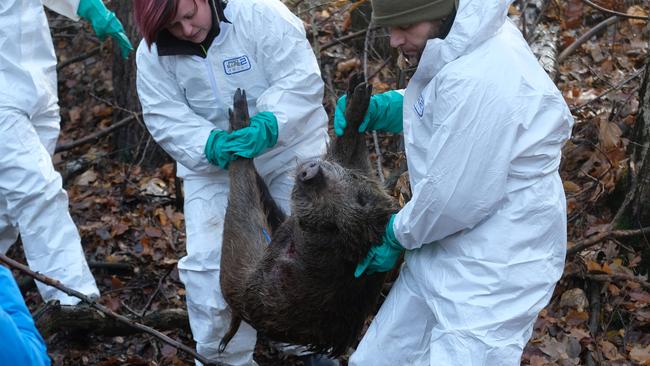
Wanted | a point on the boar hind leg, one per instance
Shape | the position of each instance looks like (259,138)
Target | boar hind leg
(350,150)
(245,226)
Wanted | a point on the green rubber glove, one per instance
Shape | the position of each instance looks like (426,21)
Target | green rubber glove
(248,142)
(381,258)
(105,23)
(384,114)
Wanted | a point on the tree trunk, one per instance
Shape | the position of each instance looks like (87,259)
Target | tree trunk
(638,214)
(133,143)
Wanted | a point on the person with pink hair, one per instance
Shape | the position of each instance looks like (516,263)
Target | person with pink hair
(194,56)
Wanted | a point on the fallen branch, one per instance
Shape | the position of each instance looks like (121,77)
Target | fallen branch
(85,320)
(611,89)
(81,57)
(56,284)
(585,37)
(344,38)
(613,12)
(610,278)
(111,267)
(97,135)
(584,244)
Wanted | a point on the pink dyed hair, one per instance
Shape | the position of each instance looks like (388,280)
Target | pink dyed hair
(151,16)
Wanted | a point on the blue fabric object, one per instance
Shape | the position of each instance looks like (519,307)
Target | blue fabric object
(21,343)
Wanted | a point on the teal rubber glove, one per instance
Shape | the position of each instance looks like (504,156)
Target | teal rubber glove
(248,142)
(381,258)
(384,114)
(105,23)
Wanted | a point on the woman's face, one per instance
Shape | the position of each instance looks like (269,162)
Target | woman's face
(193,20)
(411,39)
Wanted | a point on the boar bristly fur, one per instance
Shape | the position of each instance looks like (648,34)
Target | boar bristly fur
(300,288)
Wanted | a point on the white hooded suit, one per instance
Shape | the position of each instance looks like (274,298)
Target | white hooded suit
(32,200)
(485,230)
(184,97)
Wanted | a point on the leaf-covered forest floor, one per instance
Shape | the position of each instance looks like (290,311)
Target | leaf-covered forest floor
(127,214)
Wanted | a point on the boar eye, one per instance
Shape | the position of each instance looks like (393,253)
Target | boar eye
(361,199)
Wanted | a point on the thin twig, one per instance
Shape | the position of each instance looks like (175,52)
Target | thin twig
(81,57)
(344,38)
(584,244)
(611,277)
(628,198)
(160,282)
(601,95)
(375,139)
(97,135)
(56,284)
(613,12)
(381,67)
(585,37)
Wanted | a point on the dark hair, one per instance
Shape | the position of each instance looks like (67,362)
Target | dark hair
(151,16)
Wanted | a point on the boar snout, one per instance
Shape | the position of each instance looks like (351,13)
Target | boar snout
(309,171)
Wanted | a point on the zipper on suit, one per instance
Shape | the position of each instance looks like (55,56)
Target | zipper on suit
(213,79)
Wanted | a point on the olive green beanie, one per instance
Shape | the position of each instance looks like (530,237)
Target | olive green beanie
(393,13)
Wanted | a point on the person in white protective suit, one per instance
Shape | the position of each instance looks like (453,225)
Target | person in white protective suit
(484,233)
(194,56)
(32,200)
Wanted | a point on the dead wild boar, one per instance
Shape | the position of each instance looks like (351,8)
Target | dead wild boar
(299,287)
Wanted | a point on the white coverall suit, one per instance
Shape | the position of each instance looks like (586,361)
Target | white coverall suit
(32,200)
(485,231)
(264,51)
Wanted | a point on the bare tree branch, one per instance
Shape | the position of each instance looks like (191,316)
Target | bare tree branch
(613,12)
(99,134)
(54,283)
(585,37)
(598,238)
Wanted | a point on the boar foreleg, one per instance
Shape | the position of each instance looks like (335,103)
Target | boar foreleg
(245,225)
(350,150)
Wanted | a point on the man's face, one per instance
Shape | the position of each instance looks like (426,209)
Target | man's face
(411,39)
(193,20)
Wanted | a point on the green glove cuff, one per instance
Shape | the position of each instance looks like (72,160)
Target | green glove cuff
(248,142)
(212,150)
(385,113)
(389,235)
(261,134)
(339,116)
(383,257)
(104,22)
